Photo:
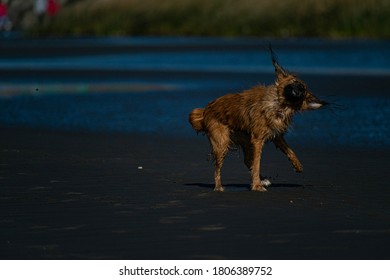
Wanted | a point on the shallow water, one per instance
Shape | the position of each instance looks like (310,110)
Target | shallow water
(149,85)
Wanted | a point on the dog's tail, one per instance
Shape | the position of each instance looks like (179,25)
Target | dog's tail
(196,119)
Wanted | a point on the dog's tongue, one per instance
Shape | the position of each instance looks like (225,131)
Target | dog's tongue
(315,103)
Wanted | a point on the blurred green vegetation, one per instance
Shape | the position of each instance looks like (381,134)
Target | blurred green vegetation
(271,18)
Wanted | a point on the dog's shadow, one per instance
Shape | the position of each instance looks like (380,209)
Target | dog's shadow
(243,186)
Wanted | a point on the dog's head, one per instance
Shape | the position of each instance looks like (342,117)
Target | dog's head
(292,91)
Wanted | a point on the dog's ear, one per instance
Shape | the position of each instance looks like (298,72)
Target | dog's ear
(280,72)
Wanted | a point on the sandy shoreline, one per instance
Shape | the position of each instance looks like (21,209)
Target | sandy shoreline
(147,194)
(67,195)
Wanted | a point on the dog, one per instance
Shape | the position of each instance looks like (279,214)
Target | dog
(251,118)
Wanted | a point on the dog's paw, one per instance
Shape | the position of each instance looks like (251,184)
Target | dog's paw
(258,188)
(266,182)
(298,167)
(219,189)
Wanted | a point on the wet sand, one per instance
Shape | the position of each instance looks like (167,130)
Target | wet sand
(68,195)
(147,193)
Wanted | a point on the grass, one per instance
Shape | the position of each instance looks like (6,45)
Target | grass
(282,18)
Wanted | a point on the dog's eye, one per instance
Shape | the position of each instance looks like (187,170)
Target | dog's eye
(294,92)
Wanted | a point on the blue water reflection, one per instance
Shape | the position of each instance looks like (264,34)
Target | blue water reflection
(152,91)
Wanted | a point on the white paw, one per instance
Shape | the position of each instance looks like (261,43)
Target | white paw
(266,182)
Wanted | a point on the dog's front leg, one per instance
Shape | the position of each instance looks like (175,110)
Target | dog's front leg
(282,145)
(257,145)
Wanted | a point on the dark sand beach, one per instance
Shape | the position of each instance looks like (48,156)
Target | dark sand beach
(85,196)
(94,175)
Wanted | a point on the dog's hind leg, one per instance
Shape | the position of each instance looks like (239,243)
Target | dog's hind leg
(219,137)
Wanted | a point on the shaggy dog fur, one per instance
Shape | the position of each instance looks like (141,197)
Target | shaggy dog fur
(253,117)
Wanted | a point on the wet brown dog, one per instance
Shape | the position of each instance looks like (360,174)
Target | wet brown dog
(250,118)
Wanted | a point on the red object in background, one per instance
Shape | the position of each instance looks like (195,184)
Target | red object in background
(3,10)
(52,8)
